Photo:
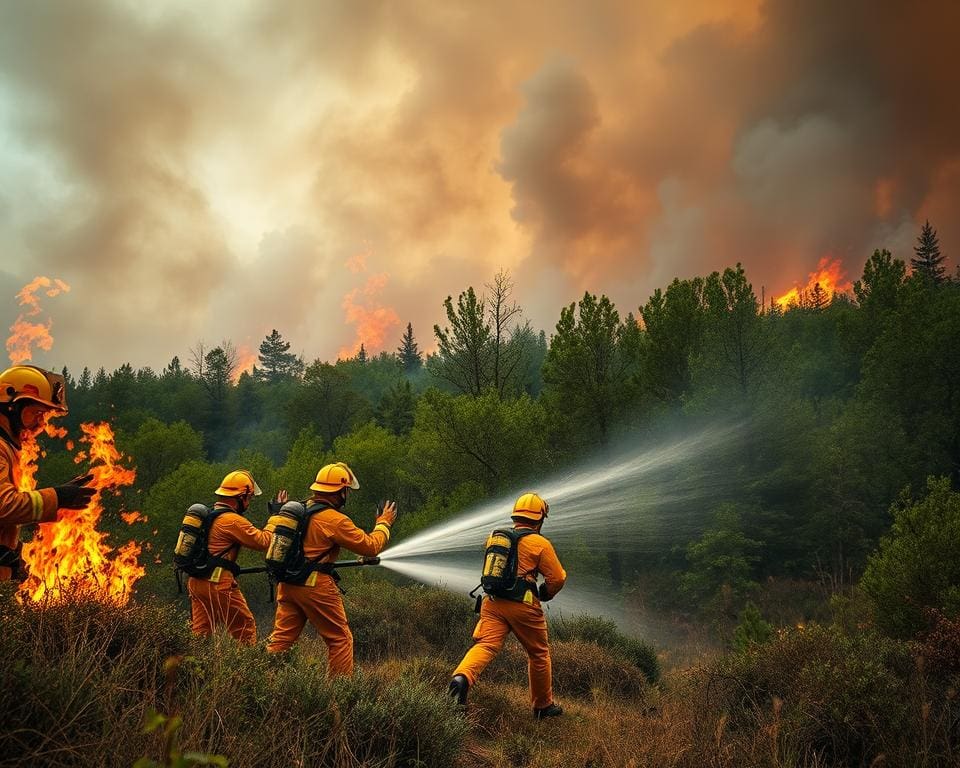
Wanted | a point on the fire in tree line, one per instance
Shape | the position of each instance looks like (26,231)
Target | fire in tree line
(849,401)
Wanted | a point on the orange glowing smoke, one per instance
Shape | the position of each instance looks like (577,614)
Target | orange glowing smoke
(70,556)
(829,276)
(25,334)
(363,309)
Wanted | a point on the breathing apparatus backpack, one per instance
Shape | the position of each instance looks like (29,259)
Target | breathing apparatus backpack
(285,559)
(192,555)
(500,561)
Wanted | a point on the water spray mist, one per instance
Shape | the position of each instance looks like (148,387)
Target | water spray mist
(639,503)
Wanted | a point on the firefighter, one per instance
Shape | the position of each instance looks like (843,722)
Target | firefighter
(217,601)
(318,600)
(27,396)
(520,612)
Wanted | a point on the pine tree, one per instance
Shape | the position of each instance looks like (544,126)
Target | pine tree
(86,379)
(408,352)
(929,260)
(277,362)
(362,354)
(818,297)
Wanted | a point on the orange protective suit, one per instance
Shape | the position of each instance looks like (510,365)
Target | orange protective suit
(218,601)
(18,507)
(499,616)
(319,601)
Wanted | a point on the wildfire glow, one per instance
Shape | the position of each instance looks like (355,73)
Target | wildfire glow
(70,555)
(246,359)
(362,309)
(829,276)
(26,334)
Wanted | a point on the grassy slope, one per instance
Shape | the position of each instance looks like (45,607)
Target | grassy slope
(81,679)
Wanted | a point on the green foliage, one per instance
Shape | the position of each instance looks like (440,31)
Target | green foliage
(408,354)
(456,439)
(928,262)
(326,401)
(752,629)
(918,564)
(721,563)
(276,360)
(604,633)
(304,460)
(160,448)
(373,454)
(674,324)
(845,698)
(590,369)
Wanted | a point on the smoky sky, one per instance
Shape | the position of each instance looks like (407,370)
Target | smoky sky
(214,171)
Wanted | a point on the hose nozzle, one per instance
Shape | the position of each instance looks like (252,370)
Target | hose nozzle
(369,560)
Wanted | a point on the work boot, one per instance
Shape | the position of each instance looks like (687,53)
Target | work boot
(458,689)
(550,711)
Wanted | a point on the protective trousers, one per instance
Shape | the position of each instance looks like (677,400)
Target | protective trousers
(322,606)
(222,604)
(527,622)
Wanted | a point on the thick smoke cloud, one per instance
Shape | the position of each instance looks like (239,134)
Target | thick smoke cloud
(201,172)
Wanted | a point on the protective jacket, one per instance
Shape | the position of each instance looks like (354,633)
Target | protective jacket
(218,601)
(319,601)
(19,507)
(499,617)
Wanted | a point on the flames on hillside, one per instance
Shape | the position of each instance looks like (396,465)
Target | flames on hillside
(827,280)
(364,309)
(25,334)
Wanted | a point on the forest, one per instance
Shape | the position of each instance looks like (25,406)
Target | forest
(817,575)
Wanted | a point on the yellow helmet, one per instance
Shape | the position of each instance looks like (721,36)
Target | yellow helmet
(238,483)
(332,477)
(27,382)
(530,507)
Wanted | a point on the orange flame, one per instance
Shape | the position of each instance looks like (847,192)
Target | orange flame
(246,359)
(829,276)
(71,555)
(25,334)
(372,320)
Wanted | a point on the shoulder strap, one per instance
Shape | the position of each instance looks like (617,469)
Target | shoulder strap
(320,506)
(212,516)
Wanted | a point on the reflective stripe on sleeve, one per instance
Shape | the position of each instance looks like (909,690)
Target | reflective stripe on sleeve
(36,499)
(384,528)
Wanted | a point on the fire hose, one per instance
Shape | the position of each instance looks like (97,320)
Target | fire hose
(341,564)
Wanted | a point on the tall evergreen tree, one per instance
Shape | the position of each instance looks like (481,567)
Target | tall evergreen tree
(277,362)
(929,260)
(362,354)
(464,348)
(86,379)
(409,353)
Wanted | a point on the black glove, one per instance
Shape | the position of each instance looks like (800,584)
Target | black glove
(75,494)
(543,594)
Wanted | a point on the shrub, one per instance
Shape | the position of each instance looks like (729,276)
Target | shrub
(392,621)
(918,564)
(840,696)
(84,678)
(604,633)
(752,629)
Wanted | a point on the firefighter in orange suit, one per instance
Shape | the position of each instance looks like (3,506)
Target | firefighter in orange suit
(27,395)
(524,617)
(217,601)
(318,601)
